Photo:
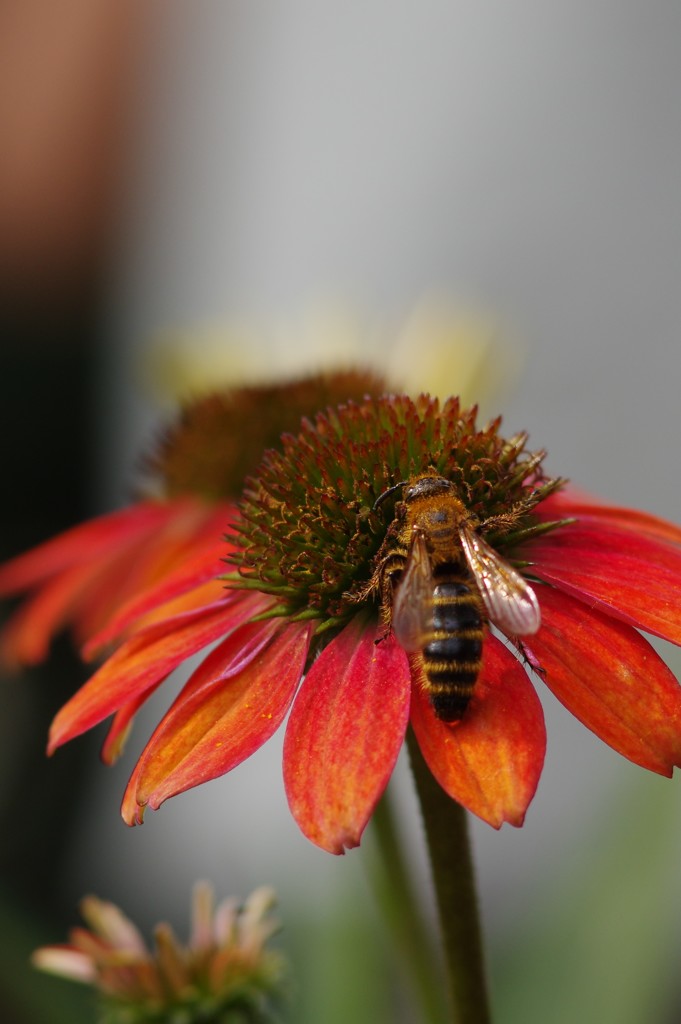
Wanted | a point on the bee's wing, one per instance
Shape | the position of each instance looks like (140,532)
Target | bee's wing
(509,600)
(412,609)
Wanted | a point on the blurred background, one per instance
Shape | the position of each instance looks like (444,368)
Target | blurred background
(194,192)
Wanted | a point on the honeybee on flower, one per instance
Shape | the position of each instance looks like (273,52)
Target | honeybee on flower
(448,580)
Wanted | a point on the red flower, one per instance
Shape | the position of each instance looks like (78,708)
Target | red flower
(300,629)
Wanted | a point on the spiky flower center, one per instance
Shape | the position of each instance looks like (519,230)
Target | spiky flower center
(310,532)
(219,438)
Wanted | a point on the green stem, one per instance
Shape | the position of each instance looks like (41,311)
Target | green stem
(401,906)
(452,867)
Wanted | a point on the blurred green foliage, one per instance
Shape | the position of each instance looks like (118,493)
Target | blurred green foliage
(604,944)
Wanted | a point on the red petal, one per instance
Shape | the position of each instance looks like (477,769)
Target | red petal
(490,761)
(143,661)
(611,679)
(201,559)
(82,544)
(153,606)
(211,592)
(344,734)
(142,567)
(25,639)
(82,594)
(120,727)
(232,704)
(567,504)
(632,577)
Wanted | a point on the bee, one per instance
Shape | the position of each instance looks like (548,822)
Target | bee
(440,582)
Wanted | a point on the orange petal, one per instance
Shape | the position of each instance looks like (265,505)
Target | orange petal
(232,704)
(160,554)
(611,679)
(25,639)
(143,661)
(89,571)
(344,734)
(82,544)
(120,727)
(491,760)
(632,577)
(79,595)
(210,592)
(207,593)
(187,576)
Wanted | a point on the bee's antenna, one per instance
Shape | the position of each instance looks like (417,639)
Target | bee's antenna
(386,494)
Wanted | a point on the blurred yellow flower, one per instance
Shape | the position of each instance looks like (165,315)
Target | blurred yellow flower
(437,348)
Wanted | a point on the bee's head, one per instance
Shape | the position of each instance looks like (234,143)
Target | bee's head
(426,485)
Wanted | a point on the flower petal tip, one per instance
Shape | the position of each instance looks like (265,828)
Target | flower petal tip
(133,814)
(58,735)
(53,744)
(132,806)
(515,820)
(339,843)
(65,961)
(497,817)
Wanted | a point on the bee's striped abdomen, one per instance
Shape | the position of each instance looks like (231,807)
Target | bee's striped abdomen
(452,652)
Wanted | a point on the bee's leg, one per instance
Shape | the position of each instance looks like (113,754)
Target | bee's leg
(382,584)
(385,590)
(500,523)
(386,577)
(378,585)
(528,658)
(504,522)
